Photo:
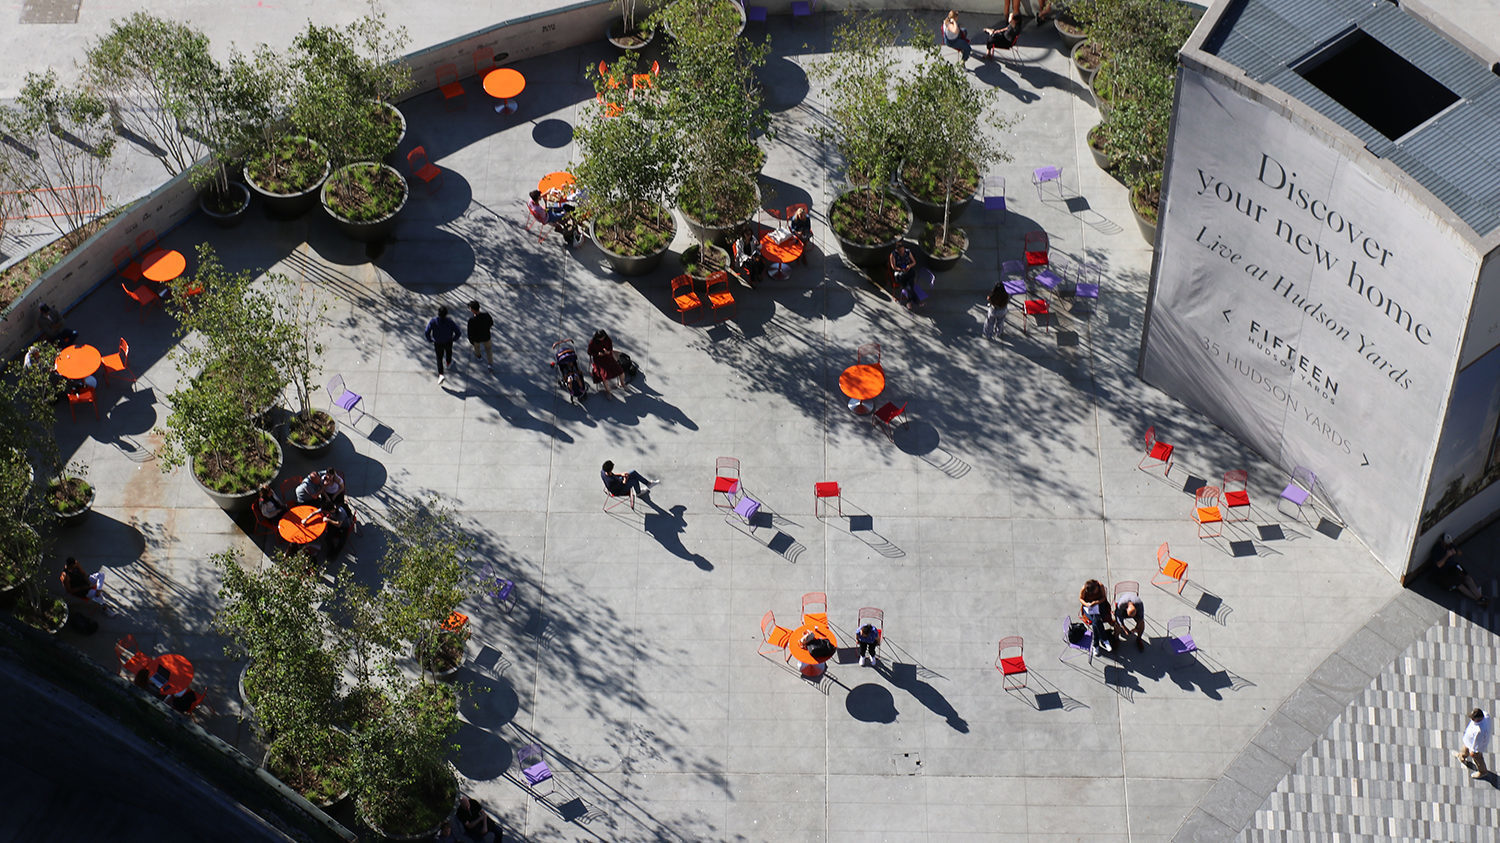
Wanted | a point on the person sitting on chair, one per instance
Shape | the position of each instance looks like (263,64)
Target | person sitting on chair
(605,364)
(269,505)
(1130,617)
(477,824)
(1003,38)
(310,490)
(621,485)
(801,225)
(341,522)
(49,323)
(83,585)
(868,638)
(1451,575)
(956,36)
(904,274)
(333,486)
(747,258)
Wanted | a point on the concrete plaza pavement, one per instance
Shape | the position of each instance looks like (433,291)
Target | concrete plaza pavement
(632,657)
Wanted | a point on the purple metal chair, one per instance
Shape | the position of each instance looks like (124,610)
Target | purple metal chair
(1013,274)
(345,400)
(746,510)
(802,8)
(922,289)
(755,14)
(500,589)
(1042,175)
(534,768)
(1085,646)
(1085,289)
(1299,491)
(994,195)
(1049,280)
(1180,635)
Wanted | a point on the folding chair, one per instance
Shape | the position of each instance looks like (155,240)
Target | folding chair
(1237,494)
(1013,280)
(1085,289)
(717,290)
(1012,665)
(1298,491)
(1043,175)
(1085,644)
(499,589)
(424,169)
(817,600)
(1156,450)
(922,289)
(128,269)
(747,508)
(339,396)
(994,195)
(533,766)
(449,87)
(888,415)
(129,655)
(1039,309)
(726,481)
(822,491)
(772,635)
(1207,513)
(1180,635)
(537,218)
(118,363)
(612,501)
(82,396)
(1174,570)
(1036,248)
(142,296)
(874,617)
(685,298)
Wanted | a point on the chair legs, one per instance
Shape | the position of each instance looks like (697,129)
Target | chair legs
(613,501)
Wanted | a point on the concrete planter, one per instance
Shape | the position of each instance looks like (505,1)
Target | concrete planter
(933,211)
(287,206)
(632,265)
(232,218)
(366,231)
(236,503)
(870,254)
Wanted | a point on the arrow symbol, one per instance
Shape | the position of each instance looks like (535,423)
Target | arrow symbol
(1366,458)
(1226,314)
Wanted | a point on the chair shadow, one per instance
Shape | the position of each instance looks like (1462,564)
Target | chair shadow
(862,526)
(780,542)
(1046,697)
(1113,676)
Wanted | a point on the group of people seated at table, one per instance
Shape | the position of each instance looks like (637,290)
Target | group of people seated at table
(155,684)
(557,208)
(54,335)
(998,36)
(1126,617)
(323,489)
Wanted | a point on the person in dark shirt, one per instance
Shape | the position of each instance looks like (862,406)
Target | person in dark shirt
(479,334)
(476,823)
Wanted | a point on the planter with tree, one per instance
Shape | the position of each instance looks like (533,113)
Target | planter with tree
(70,496)
(1087,58)
(724,19)
(26,434)
(868,129)
(311,432)
(427,576)
(628,33)
(626,174)
(364,198)
(287,175)
(346,84)
(404,787)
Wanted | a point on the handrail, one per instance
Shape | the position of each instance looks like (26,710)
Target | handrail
(89,192)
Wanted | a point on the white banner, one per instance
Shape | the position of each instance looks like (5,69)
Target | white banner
(1307,307)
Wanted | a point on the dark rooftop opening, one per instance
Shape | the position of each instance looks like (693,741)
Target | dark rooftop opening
(1380,87)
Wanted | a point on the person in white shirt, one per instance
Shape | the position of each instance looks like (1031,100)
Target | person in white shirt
(1476,743)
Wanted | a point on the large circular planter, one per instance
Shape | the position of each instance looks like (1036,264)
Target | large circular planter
(720,234)
(870,254)
(325,804)
(937,264)
(448,673)
(366,231)
(288,206)
(390,155)
(1069,34)
(633,265)
(312,452)
(53,630)
(738,7)
(1147,227)
(75,517)
(636,42)
(235,504)
(231,218)
(1102,160)
(1085,72)
(933,211)
(424,835)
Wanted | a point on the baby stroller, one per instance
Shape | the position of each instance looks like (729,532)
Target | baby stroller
(569,378)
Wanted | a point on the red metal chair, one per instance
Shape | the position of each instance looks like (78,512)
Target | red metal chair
(424,169)
(772,635)
(145,239)
(142,296)
(1036,308)
(538,219)
(1237,494)
(1037,248)
(726,481)
(129,269)
(825,490)
(888,415)
(117,363)
(685,298)
(819,601)
(874,617)
(1207,513)
(612,501)
(718,293)
(82,396)
(484,61)
(449,87)
(1012,665)
(1174,570)
(1156,450)
(130,656)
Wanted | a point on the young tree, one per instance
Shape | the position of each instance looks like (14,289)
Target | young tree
(867,125)
(66,143)
(343,79)
(27,442)
(628,162)
(427,574)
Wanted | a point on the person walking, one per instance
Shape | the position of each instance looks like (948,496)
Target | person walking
(442,332)
(868,638)
(479,334)
(1476,743)
(621,485)
(995,305)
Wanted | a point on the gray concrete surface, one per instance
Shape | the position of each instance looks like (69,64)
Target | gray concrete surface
(632,656)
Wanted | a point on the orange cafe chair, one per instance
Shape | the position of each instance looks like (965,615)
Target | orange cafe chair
(130,656)
(449,87)
(118,363)
(773,636)
(1014,664)
(874,617)
(129,269)
(817,600)
(685,297)
(1237,494)
(1156,450)
(1169,570)
(1207,513)
(484,61)
(868,353)
(142,296)
(82,396)
(726,481)
(720,298)
(424,169)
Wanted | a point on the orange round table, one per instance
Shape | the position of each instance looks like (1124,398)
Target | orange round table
(811,667)
(291,529)
(780,254)
(77,362)
(558,179)
(505,84)
(862,382)
(178,666)
(163,266)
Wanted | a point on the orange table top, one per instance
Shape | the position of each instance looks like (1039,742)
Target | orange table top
(504,83)
(862,381)
(291,529)
(177,665)
(77,362)
(781,252)
(560,178)
(799,652)
(162,266)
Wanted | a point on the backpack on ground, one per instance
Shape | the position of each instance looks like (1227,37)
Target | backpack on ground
(627,365)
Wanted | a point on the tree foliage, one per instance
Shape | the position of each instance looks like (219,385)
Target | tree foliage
(867,126)
(63,142)
(341,79)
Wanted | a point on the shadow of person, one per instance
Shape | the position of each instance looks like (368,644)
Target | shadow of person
(667,527)
(904,676)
